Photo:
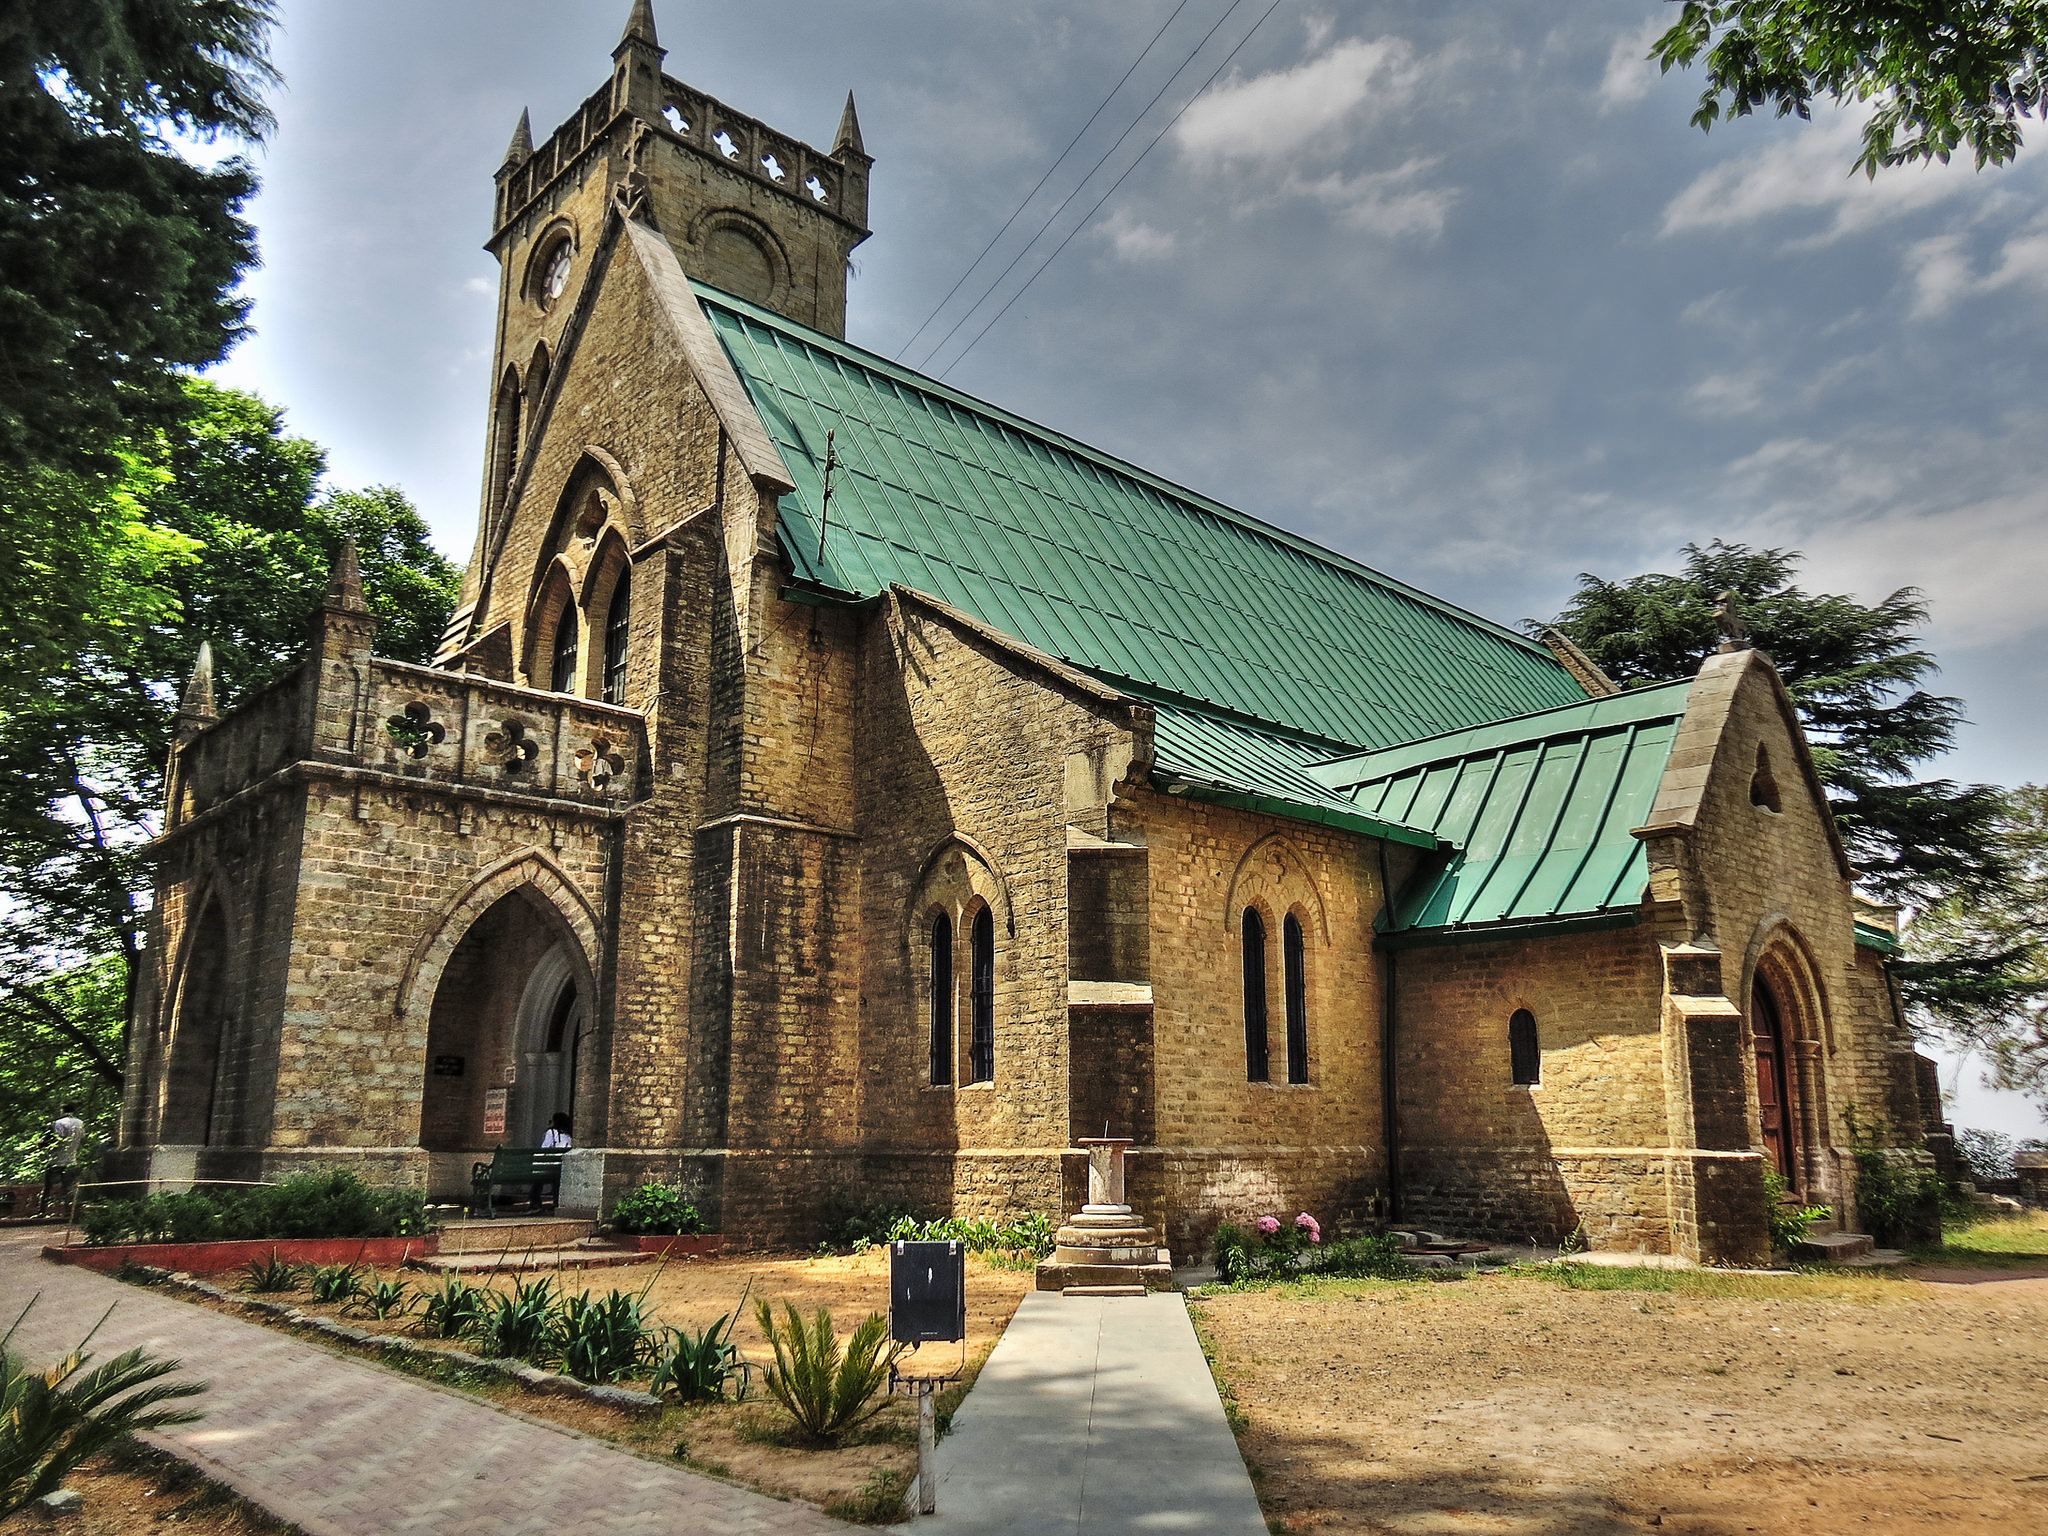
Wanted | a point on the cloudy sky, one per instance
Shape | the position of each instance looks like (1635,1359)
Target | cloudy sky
(1448,285)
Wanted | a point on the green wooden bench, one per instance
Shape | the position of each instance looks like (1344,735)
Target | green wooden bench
(537,1169)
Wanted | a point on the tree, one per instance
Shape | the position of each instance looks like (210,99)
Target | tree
(1942,72)
(118,256)
(1981,967)
(1854,671)
(216,529)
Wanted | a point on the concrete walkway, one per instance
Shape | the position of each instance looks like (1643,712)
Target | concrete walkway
(1095,1416)
(341,1448)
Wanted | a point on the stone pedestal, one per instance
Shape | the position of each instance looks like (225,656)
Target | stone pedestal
(1103,1249)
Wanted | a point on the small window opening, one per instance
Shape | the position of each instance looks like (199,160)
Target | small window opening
(618,628)
(774,168)
(563,679)
(1763,786)
(942,1000)
(1292,950)
(726,146)
(673,116)
(817,190)
(981,1054)
(1256,1067)
(1525,1056)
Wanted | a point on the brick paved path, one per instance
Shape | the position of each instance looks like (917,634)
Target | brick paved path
(341,1448)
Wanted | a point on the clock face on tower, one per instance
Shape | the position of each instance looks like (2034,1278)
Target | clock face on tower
(554,275)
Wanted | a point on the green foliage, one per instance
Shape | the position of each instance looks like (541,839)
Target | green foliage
(53,1420)
(119,256)
(457,1308)
(521,1325)
(1942,75)
(336,1282)
(879,1500)
(658,1210)
(850,1226)
(1896,1196)
(60,1043)
(301,1205)
(602,1338)
(386,1298)
(1249,1255)
(697,1367)
(1018,1243)
(1788,1224)
(1977,975)
(1854,672)
(271,1275)
(825,1388)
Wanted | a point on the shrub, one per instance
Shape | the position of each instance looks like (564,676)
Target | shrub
(1895,1196)
(603,1338)
(52,1420)
(827,1390)
(302,1205)
(656,1210)
(1017,1243)
(1377,1257)
(272,1274)
(851,1227)
(337,1282)
(697,1366)
(1788,1224)
(520,1326)
(455,1309)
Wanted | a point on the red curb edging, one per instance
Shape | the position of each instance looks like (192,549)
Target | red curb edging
(696,1245)
(214,1258)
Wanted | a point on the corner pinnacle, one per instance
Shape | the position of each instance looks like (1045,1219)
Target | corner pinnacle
(196,703)
(848,136)
(521,148)
(345,587)
(640,25)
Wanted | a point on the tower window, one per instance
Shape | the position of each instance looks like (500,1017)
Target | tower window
(942,1000)
(563,678)
(1292,951)
(1763,786)
(618,627)
(1256,1069)
(981,1053)
(554,273)
(1525,1057)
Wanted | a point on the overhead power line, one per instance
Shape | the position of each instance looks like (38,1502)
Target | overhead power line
(1053,217)
(1090,215)
(1100,107)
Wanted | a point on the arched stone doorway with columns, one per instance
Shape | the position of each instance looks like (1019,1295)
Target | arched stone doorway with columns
(504,1031)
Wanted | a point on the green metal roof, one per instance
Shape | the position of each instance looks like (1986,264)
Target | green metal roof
(1136,580)
(1539,810)
(1870,936)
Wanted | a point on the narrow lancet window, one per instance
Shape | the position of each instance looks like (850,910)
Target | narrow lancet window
(942,1000)
(1297,999)
(981,1055)
(563,679)
(1255,1064)
(1525,1056)
(617,628)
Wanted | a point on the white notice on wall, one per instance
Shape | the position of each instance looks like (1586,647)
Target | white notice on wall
(494,1110)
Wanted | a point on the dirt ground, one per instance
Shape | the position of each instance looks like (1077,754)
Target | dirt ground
(130,1493)
(740,1441)
(1808,1405)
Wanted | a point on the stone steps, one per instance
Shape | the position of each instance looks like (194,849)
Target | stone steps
(1832,1247)
(589,1254)
(515,1233)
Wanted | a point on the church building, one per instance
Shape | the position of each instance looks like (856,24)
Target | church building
(836,789)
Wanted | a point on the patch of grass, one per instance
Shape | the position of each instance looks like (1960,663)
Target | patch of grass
(879,1502)
(2020,1238)
(1808,1284)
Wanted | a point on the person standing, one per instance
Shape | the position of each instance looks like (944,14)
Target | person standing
(60,1174)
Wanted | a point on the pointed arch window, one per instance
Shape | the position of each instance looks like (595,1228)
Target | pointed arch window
(618,625)
(1293,951)
(1256,1067)
(563,676)
(1525,1052)
(981,1052)
(942,1000)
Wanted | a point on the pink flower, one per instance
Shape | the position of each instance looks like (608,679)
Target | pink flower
(1308,1223)
(1270,1225)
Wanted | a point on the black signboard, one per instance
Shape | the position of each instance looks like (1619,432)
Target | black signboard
(927,1293)
(447,1066)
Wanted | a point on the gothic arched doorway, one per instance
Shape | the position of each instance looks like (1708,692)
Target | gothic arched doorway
(1775,1083)
(501,1037)
(192,1066)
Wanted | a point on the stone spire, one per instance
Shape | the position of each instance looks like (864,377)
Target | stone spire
(196,709)
(640,25)
(848,136)
(345,586)
(521,148)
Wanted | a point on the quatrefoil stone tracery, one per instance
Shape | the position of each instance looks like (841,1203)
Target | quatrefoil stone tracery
(510,747)
(599,763)
(416,730)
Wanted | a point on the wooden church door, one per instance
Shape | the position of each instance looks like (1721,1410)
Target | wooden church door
(1773,1084)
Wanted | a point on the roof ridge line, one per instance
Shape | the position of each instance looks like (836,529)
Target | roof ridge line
(1139,688)
(925,383)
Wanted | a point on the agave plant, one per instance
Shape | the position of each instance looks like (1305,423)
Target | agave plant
(384,1297)
(52,1420)
(455,1309)
(337,1282)
(602,1338)
(520,1326)
(826,1389)
(271,1274)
